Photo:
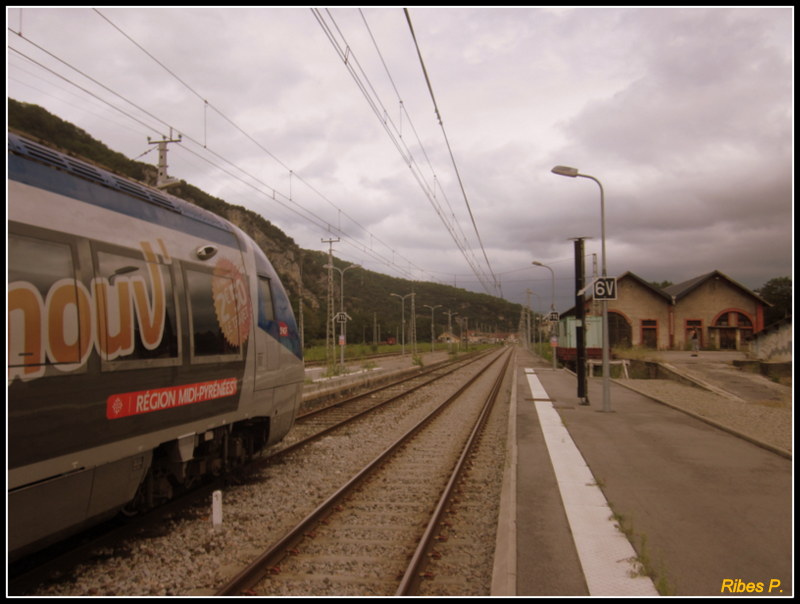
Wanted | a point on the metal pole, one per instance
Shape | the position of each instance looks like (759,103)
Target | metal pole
(552,306)
(343,330)
(528,320)
(573,173)
(342,315)
(450,314)
(580,327)
(403,322)
(433,335)
(534,320)
(413,324)
(606,346)
(330,327)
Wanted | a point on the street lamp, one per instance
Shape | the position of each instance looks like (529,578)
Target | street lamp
(572,173)
(552,305)
(532,293)
(432,334)
(450,314)
(462,322)
(342,316)
(403,311)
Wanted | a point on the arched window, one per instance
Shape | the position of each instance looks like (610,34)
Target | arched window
(733,328)
(745,326)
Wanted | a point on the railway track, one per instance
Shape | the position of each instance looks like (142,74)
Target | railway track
(315,423)
(376,533)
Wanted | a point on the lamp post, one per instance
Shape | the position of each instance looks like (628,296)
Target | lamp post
(403,315)
(462,321)
(433,336)
(573,173)
(450,314)
(342,316)
(532,293)
(552,303)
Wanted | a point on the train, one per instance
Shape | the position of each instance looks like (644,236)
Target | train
(151,344)
(567,351)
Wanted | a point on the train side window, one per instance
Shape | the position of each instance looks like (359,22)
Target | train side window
(214,319)
(266,312)
(136,311)
(49,321)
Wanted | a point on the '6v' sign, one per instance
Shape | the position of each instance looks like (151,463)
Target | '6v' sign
(605,288)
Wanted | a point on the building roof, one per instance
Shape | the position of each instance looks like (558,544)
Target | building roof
(681,290)
(649,286)
(673,293)
(657,291)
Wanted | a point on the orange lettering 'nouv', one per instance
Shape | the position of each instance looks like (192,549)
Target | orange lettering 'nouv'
(68,345)
(25,338)
(151,315)
(111,345)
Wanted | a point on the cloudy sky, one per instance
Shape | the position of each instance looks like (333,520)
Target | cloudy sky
(323,122)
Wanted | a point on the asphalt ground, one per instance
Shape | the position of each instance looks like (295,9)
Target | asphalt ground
(708,513)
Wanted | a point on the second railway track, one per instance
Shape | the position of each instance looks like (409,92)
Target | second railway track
(319,420)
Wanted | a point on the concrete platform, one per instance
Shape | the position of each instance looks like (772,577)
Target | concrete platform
(365,372)
(706,512)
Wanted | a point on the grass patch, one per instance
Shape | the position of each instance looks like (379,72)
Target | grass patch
(644,564)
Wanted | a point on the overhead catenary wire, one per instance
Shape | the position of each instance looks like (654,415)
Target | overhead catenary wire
(447,142)
(311,217)
(85,90)
(293,173)
(351,63)
(208,105)
(234,171)
(392,258)
(403,111)
(149,126)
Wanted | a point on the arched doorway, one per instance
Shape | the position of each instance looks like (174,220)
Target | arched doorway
(730,329)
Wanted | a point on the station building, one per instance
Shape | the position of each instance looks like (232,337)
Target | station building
(725,313)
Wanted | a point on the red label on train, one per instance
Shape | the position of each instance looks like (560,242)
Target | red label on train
(147,401)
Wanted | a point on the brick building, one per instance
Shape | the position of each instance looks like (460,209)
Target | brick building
(726,313)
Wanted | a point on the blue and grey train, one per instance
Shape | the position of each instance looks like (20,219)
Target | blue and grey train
(150,344)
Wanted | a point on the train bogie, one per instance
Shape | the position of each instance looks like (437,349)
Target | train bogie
(150,343)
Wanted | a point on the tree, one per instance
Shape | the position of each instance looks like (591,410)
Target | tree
(778,292)
(661,284)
